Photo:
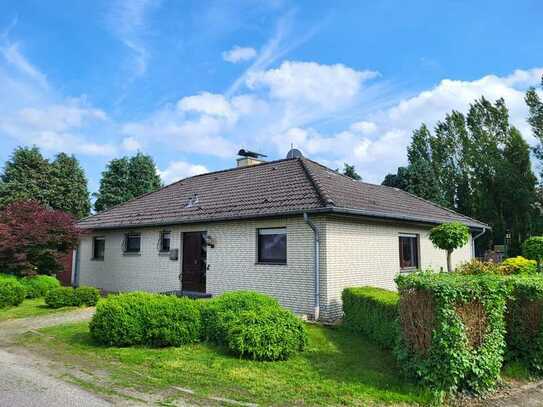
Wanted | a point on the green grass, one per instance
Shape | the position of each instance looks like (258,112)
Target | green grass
(338,368)
(30,308)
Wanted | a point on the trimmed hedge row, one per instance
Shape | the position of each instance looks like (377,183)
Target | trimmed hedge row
(39,286)
(249,324)
(72,297)
(372,312)
(452,330)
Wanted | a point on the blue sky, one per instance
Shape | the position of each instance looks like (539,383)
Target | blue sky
(192,82)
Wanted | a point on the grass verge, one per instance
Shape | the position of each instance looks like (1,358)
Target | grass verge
(30,308)
(337,368)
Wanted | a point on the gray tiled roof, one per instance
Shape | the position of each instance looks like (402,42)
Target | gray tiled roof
(282,187)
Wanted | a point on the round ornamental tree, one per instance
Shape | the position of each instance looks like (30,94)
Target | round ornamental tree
(533,249)
(449,237)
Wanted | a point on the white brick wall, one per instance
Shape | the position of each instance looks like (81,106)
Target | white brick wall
(367,253)
(232,263)
(353,253)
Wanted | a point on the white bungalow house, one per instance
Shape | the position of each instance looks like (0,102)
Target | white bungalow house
(291,228)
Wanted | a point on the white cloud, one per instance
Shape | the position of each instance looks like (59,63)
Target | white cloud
(364,127)
(131,144)
(207,103)
(239,54)
(327,86)
(177,170)
(14,57)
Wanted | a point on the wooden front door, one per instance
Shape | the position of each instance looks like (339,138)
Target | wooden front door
(193,277)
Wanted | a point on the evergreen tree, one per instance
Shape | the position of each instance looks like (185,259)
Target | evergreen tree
(518,190)
(69,191)
(399,180)
(535,118)
(421,177)
(350,171)
(126,178)
(113,185)
(142,175)
(26,176)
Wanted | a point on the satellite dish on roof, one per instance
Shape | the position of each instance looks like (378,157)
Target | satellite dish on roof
(294,153)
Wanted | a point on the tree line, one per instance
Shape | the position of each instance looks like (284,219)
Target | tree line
(480,165)
(61,183)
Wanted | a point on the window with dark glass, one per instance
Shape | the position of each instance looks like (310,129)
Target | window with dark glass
(132,243)
(98,248)
(165,238)
(409,252)
(272,245)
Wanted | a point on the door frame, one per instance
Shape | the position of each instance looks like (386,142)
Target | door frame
(203,233)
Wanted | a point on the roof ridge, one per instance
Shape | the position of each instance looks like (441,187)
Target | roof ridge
(318,189)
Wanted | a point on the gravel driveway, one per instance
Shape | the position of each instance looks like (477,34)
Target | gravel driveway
(26,380)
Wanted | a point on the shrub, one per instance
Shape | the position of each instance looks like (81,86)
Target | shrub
(524,322)
(476,267)
(218,311)
(267,333)
(12,293)
(372,312)
(532,249)
(452,330)
(88,296)
(39,286)
(61,297)
(146,319)
(519,265)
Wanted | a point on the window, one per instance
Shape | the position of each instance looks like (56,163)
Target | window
(132,243)
(165,238)
(409,252)
(98,248)
(272,246)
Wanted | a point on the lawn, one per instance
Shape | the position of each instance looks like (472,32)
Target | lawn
(337,368)
(29,308)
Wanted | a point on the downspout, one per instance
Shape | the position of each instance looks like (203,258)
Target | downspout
(474,239)
(316,262)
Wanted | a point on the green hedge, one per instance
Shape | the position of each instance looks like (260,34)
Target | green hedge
(372,312)
(39,286)
(219,311)
(525,322)
(453,330)
(146,319)
(72,297)
(266,333)
(12,293)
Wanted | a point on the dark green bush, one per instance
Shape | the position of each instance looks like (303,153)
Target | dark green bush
(218,311)
(61,297)
(146,319)
(525,322)
(12,293)
(267,333)
(88,296)
(452,330)
(39,286)
(372,312)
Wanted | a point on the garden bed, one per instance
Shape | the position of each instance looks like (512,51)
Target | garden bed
(337,368)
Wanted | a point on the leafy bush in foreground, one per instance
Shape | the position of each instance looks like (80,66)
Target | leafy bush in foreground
(39,286)
(372,312)
(88,296)
(267,333)
(452,330)
(12,293)
(219,311)
(520,265)
(525,322)
(146,319)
